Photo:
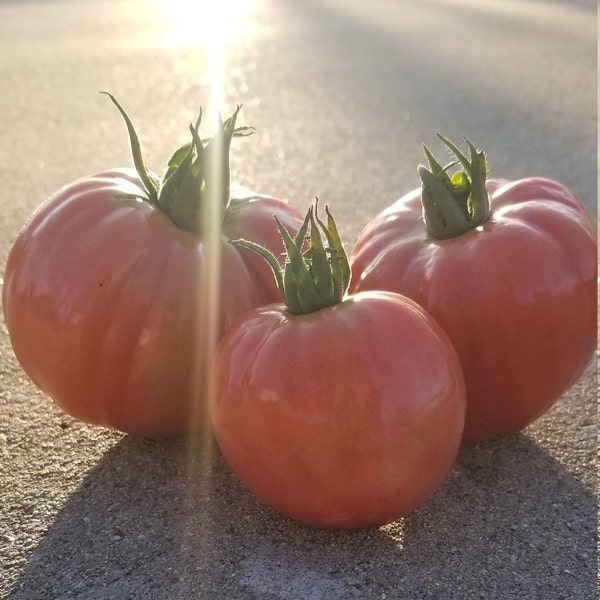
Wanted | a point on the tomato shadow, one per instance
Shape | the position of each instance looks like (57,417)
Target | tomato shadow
(509,522)
(168,519)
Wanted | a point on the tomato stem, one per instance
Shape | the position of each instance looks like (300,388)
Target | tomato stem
(454,205)
(312,277)
(197,172)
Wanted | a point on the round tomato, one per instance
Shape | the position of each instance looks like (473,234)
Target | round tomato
(113,310)
(340,416)
(512,281)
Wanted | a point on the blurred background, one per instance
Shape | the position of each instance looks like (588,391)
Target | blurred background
(341,92)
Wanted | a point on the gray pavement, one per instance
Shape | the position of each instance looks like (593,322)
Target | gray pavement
(342,93)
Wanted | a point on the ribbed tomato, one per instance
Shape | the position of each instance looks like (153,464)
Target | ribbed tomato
(338,411)
(507,268)
(118,287)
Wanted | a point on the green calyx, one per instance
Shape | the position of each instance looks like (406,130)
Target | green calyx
(197,173)
(454,205)
(316,272)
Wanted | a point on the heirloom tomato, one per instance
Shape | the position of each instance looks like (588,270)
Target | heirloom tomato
(120,284)
(507,268)
(338,411)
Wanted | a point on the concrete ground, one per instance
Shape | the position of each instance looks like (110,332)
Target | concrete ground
(341,93)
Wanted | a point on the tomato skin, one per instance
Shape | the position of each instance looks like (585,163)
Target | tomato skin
(341,418)
(517,296)
(102,298)
(246,217)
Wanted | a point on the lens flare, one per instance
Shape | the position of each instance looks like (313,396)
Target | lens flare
(204,22)
(202,33)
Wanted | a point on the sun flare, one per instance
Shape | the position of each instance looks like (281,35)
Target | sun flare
(200,34)
(207,22)
(203,33)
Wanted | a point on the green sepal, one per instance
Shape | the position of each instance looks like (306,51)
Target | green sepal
(269,257)
(197,172)
(136,151)
(300,288)
(316,273)
(454,205)
(319,266)
(340,265)
(175,161)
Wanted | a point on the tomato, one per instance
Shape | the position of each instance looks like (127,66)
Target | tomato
(341,413)
(512,281)
(113,309)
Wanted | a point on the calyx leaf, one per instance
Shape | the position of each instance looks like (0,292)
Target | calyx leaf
(453,205)
(196,173)
(316,272)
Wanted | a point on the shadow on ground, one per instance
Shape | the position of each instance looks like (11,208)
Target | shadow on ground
(168,520)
